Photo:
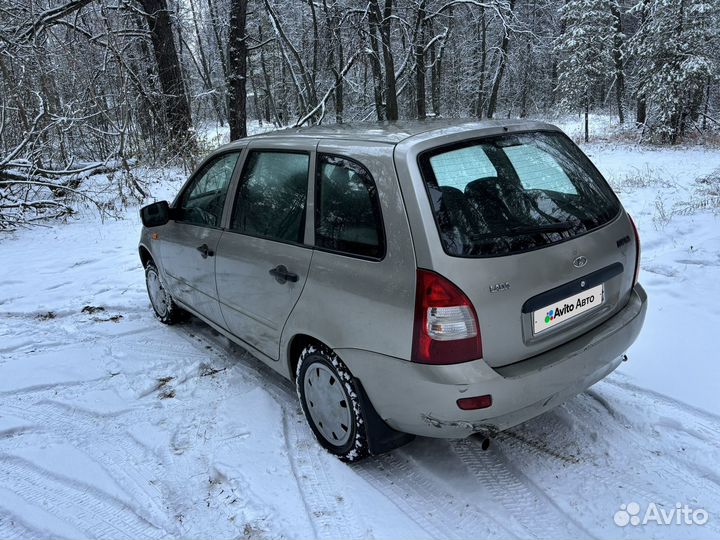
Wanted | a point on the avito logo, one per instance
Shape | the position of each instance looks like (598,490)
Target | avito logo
(568,308)
(558,312)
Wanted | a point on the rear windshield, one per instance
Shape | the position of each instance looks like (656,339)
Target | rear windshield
(513,193)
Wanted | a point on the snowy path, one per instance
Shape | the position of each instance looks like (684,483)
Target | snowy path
(115,426)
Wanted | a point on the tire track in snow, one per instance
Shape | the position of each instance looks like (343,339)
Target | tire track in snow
(94,512)
(529,506)
(47,387)
(413,492)
(654,480)
(707,421)
(695,428)
(148,348)
(317,487)
(108,447)
(10,527)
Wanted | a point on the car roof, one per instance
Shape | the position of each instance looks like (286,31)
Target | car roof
(396,132)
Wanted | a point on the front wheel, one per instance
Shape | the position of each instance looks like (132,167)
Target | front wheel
(162,303)
(330,402)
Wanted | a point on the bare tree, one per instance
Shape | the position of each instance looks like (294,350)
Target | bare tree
(502,62)
(175,102)
(382,20)
(237,70)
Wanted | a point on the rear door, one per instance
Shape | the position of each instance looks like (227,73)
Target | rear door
(263,258)
(189,242)
(528,229)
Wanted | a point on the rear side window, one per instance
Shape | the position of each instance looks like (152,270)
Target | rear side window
(348,216)
(514,193)
(271,196)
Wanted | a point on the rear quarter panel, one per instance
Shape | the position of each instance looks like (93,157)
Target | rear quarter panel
(355,303)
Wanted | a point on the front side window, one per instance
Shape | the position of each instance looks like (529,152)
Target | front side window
(272,195)
(203,200)
(513,193)
(348,215)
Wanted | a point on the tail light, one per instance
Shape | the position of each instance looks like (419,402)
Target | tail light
(446,327)
(637,252)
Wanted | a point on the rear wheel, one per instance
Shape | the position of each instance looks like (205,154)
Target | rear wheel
(329,399)
(162,303)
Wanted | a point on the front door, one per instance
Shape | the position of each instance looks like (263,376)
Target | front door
(189,243)
(263,258)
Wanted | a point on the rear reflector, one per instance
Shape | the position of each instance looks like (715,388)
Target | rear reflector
(446,328)
(472,403)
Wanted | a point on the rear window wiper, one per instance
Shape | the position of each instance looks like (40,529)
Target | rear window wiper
(524,229)
(542,228)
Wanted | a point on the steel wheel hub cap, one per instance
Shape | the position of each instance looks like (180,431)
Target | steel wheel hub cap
(328,404)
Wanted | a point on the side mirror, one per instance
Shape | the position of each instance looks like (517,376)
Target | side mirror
(156,214)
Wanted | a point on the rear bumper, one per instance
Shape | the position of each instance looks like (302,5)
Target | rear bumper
(421,399)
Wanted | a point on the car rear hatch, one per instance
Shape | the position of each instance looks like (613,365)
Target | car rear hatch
(529,230)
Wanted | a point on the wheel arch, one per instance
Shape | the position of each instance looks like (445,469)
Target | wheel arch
(145,255)
(297,343)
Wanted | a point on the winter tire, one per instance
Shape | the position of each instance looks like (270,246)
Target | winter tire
(329,399)
(162,303)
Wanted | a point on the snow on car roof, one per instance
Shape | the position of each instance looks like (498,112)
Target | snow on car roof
(395,132)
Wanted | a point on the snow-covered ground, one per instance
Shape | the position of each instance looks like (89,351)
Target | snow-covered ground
(113,425)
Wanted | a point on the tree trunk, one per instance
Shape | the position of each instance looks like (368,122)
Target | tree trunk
(587,114)
(175,103)
(504,46)
(707,103)
(254,88)
(525,91)
(339,86)
(374,25)
(618,61)
(554,65)
(384,22)
(237,71)
(480,100)
(420,62)
(640,111)
(641,103)
(269,99)
(436,73)
(307,99)
(206,74)
(216,30)
(528,68)
(336,58)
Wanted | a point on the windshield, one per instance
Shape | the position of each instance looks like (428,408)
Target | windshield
(513,193)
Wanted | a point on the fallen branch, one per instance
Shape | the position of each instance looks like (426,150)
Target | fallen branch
(54,187)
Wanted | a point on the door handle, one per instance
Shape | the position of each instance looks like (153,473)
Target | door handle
(205,251)
(281,274)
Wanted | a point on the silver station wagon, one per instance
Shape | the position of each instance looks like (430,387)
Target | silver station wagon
(430,278)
